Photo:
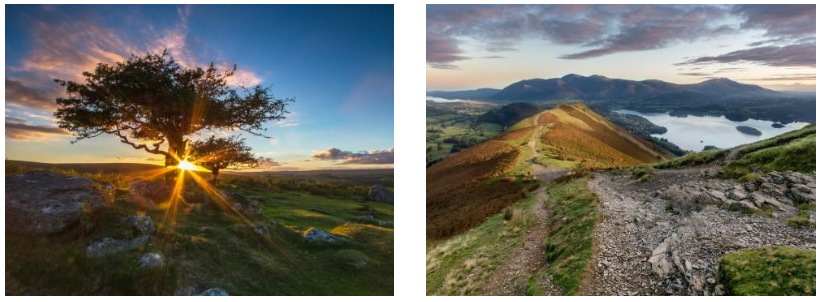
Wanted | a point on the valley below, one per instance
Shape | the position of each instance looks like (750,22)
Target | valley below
(602,211)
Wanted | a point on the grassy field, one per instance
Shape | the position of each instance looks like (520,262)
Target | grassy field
(453,127)
(461,265)
(769,271)
(209,247)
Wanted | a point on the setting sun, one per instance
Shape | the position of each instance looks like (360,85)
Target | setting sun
(186,165)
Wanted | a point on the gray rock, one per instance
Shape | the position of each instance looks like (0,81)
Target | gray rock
(659,259)
(109,246)
(366,219)
(42,203)
(214,291)
(802,194)
(151,260)
(243,204)
(738,193)
(144,225)
(315,235)
(261,230)
(380,193)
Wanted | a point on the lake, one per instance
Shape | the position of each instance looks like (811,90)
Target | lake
(695,132)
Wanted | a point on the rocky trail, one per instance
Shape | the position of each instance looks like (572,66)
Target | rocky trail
(666,236)
(511,278)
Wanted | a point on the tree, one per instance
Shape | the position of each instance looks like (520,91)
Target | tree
(150,102)
(221,153)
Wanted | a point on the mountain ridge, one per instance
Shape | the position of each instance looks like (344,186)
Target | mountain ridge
(598,86)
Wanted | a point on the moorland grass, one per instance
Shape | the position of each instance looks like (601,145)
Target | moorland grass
(769,271)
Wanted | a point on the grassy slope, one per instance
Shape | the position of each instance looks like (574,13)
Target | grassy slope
(769,271)
(213,249)
(580,135)
(461,264)
(569,247)
(792,151)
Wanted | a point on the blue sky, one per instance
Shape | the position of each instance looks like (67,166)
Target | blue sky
(473,46)
(336,61)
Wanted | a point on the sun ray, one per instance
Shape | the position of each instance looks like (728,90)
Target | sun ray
(225,204)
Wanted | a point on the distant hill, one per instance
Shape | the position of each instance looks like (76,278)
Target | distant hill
(477,94)
(597,87)
(90,167)
(509,114)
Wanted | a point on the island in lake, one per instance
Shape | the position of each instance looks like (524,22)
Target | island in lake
(749,130)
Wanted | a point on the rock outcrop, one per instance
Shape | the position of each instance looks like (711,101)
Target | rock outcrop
(780,190)
(314,235)
(243,204)
(141,224)
(151,260)
(110,246)
(381,194)
(42,202)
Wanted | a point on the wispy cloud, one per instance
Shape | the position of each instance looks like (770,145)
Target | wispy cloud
(802,55)
(347,157)
(25,132)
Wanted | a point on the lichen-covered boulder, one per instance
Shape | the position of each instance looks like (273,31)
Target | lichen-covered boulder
(110,246)
(149,193)
(42,202)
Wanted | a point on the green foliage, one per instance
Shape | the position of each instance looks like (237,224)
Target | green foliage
(802,219)
(220,153)
(798,155)
(508,214)
(643,173)
(152,98)
(693,159)
(769,271)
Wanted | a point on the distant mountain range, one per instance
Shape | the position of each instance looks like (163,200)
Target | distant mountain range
(573,86)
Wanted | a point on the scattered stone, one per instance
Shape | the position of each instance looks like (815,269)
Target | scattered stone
(366,219)
(110,246)
(143,225)
(151,260)
(42,203)
(261,229)
(214,291)
(243,204)
(314,235)
(380,193)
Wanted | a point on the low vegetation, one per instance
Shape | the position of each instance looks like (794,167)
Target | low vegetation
(208,247)
(693,159)
(803,217)
(569,248)
(769,271)
(461,265)
(798,155)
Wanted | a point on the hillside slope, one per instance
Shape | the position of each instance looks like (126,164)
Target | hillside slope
(478,182)
(578,134)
